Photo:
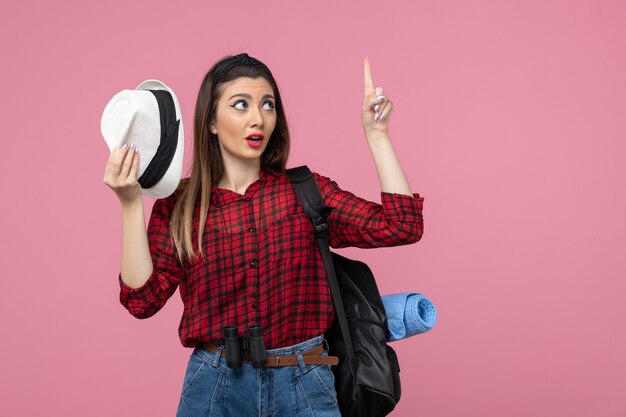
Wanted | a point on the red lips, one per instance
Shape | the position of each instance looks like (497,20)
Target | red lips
(255,135)
(255,140)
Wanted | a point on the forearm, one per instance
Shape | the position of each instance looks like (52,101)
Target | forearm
(137,264)
(390,173)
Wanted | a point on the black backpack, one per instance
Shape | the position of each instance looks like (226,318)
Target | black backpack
(367,378)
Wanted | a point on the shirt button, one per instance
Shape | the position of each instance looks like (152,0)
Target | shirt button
(253,264)
(254,306)
(247,199)
(251,229)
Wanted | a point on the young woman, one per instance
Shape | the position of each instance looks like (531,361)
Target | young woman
(255,259)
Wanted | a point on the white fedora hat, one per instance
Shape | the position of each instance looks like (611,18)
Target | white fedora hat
(150,118)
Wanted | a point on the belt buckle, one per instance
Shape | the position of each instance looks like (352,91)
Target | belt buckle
(277,361)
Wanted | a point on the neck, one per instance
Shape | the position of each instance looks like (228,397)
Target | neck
(238,176)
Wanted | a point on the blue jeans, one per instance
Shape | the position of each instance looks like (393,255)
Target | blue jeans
(211,388)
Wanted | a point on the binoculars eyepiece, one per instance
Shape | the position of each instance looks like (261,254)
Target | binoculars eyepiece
(256,346)
(239,346)
(233,346)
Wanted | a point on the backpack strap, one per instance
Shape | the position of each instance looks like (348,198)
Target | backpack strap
(311,199)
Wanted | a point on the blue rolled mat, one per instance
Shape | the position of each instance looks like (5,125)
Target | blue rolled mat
(408,314)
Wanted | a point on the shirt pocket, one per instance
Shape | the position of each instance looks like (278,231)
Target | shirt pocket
(292,238)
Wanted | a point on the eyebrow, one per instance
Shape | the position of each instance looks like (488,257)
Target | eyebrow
(249,97)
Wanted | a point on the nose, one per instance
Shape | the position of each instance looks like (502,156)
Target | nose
(256,117)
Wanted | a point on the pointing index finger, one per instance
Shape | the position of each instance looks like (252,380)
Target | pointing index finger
(369,85)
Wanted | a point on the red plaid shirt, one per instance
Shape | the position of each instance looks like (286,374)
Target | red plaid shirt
(262,262)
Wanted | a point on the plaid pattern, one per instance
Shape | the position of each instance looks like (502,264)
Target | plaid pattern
(262,263)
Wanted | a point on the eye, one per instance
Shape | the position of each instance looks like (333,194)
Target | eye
(268,105)
(239,105)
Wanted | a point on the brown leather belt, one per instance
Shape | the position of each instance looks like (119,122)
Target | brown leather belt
(310,357)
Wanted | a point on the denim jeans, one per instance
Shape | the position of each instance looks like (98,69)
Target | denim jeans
(210,388)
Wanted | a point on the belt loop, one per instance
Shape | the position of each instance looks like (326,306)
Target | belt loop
(301,360)
(217,355)
(326,345)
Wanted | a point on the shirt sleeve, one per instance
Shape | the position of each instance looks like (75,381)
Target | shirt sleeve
(148,299)
(364,224)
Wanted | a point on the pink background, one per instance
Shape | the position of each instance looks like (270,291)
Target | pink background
(509,119)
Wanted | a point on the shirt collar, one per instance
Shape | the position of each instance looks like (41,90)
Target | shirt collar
(221,197)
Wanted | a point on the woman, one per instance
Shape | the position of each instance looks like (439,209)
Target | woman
(255,260)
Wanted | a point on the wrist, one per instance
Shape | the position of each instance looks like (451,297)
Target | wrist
(132,205)
(377,137)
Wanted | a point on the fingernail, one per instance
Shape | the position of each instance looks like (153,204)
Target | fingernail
(380,97)
(381,117)
(124,146)
(376,107)
(376,116)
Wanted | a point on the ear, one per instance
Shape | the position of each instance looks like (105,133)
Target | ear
(213,129)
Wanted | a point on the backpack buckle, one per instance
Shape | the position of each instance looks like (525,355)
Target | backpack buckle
(321,226)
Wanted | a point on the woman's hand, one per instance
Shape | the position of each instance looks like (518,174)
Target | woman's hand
(121,174)
(375,115)
(376,109)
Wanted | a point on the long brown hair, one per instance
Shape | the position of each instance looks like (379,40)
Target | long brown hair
(208,166)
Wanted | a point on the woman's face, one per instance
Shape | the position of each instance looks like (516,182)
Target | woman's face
(245,118)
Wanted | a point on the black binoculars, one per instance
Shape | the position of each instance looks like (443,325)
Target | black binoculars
(238,347)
